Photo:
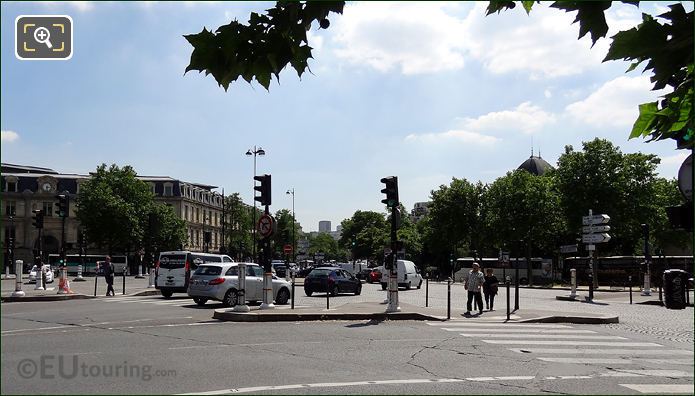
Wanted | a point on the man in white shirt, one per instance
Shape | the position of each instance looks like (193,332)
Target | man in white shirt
(473,283)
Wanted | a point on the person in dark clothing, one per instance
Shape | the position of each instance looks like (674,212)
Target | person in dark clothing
(108,276)
(490,288)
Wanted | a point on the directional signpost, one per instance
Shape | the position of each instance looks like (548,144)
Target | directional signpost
(595,231)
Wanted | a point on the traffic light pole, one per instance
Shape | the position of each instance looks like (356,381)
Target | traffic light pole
(393,273)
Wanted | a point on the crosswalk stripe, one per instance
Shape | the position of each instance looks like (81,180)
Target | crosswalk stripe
(595,343)
(498,330)
(660,373)
(511,325)
(602,351)
(660,388)
(586,360)
(669,361)
(560,336)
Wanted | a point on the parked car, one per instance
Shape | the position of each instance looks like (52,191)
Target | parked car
(304,272)
(221,282)
(408,275)
(173,269)
(279,268)
(375,275)
(333,280)
(46,268)
(363,274)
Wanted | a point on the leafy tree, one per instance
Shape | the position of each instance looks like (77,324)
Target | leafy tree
(367,229)
(117,211)
(324,243)
(667,49)
(239,231)
(270,41)
(283,235)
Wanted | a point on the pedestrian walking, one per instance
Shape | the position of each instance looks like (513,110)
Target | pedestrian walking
(108,276)
(490,288)
(473,283)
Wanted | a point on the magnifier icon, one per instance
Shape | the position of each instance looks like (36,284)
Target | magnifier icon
(43,35)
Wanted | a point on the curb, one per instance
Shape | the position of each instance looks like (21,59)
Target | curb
(153,292)
(57,297)
(288,317)
(572,319)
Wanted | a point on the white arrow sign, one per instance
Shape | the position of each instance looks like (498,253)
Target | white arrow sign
(596,238)
(595,219)
(596,228)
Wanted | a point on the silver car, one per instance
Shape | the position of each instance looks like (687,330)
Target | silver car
(220,282)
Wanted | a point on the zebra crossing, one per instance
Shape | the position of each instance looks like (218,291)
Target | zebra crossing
(564,344)
(161,301)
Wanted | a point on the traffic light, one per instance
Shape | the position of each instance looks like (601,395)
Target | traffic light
(388,261)
(391,191)
(38,218)
(681,217)
(10,247)
(265,197)
(63,205)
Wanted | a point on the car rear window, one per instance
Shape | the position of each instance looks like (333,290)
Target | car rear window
(172,261)
(319,273)
(208,270)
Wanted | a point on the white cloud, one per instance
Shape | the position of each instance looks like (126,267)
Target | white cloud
(525,118)
(8,136)
(81,6)
(670,165)
(411,37)
(455,135)
(614,103)
(548,94)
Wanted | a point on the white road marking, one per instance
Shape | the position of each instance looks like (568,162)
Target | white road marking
(166,325)
(595,343)
(499,325)
(602,351)
(575,377)
(669,361)
(660,373)
(34,329)
(548,336)
(661,388)
(586,360)
(71,330)
(539,331)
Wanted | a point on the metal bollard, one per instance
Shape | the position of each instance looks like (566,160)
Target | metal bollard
(516,292)
(629,280)
(591,287)
(19,264)
(660,295)
(507,282)
(573,276)
(124,281)
(96,277)
(448,298)
(139,275)
(292,291)
(151,285)
(79,277)
(40,284)
(427,291)
(241,293)
(328,303)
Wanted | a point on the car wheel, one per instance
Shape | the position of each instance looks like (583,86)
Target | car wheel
(308,292)
(282,297)
(334,290)
(358,290)
(407,286)
(230,299)
(200,301)
(383,286)
(419,285)
(167,293)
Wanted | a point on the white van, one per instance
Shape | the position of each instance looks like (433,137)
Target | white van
(173,269)
(408,275)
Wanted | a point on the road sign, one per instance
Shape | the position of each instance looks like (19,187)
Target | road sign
(596,238)
(595,219)
(595,228)
(568,248)
(265,226)
(287,249)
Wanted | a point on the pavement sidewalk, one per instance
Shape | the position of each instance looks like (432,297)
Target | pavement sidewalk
(80,290)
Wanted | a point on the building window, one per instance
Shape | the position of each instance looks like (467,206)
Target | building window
(197,215)
(11,185)
(197,237)
(48,209)
(168,190)
(185,212)
(10,208)
(154,192)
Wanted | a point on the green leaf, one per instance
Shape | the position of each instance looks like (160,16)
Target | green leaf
(589,15)
(643,124)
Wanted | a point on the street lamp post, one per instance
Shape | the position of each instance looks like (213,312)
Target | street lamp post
(294,242)
(255,151)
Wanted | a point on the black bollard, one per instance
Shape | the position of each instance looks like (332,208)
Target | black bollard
(660,295)
(448,299)
(427,291)
(95,283)
(629,279)
(516,292)
(124,281)
(292,292)
(328,298)
(508,312)
(591,287)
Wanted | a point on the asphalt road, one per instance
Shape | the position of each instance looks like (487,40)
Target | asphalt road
(152,345)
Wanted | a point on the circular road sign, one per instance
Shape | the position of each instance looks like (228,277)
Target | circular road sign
(287,249)
(685,178)
(265,226)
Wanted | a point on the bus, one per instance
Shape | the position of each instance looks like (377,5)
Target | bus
(615,271)
(120,263)
(542,269)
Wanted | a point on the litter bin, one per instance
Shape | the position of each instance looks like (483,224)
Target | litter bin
(675,281)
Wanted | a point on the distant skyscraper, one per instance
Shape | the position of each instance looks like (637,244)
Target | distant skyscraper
(338,228)
(324,226)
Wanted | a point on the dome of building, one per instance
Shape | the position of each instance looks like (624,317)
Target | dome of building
(536,165)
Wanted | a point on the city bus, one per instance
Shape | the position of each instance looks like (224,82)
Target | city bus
(542,269)
(120,263)
(616,270)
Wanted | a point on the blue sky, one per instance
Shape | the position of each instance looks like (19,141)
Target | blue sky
(425,92)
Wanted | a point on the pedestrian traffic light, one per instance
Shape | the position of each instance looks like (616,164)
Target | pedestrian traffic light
(264,189)
(388,261)
(38,218)
(63,205)
(681,217)
(391,191)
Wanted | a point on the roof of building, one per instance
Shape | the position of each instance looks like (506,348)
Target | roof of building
(12,168)
(536,165)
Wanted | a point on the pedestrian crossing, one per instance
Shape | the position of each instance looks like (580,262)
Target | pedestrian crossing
(161,301)
(565,344)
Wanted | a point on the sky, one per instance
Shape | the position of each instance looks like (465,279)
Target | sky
(422,91)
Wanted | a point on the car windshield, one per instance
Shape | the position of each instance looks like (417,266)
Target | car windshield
(208,270)
(320,273)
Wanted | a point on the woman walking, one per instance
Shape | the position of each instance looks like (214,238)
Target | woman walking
(490,288)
